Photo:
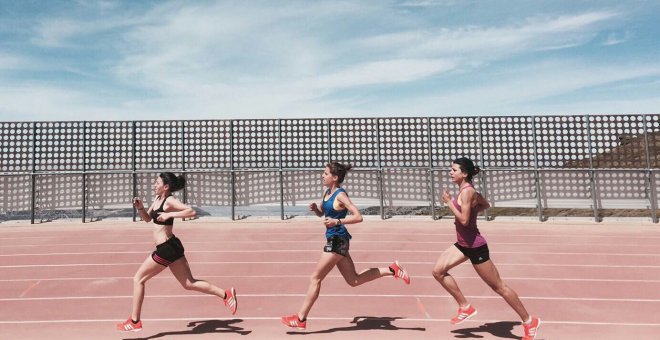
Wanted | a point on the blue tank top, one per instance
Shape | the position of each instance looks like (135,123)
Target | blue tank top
(329,211)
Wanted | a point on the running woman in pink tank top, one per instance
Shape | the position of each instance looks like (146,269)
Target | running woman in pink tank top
(471,245)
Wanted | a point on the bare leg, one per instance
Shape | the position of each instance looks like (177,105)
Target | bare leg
(347,270)
(323,267)
(147,270)
(491,276)
(181,270)
(449,259)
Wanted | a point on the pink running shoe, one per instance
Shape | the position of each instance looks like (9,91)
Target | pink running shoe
(531,328)
(463,314)
(399,272)
(129,326)
(293,322)
(230,300)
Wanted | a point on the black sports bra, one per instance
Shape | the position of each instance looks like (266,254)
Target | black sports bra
(154,214)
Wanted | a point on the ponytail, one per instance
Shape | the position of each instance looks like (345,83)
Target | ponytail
(175,182)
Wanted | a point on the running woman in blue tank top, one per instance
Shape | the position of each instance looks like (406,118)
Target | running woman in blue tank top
(335,205)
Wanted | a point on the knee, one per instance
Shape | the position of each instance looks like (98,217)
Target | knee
(315,281)
(188,284)
(500,288)
(139,280)
(352,282)
(439,273)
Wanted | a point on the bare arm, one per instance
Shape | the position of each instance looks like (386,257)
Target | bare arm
(345,202)
(176,209)
(316,209)
(139,205)
(467,199)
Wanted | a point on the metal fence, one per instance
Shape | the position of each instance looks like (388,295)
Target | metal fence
(92,169)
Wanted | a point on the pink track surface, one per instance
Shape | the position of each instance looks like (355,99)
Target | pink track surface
(67,280)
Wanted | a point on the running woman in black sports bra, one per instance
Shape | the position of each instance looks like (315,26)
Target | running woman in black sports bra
(169,250)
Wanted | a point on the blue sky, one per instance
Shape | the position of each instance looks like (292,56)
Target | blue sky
(126,60)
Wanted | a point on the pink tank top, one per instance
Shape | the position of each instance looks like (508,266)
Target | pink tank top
(468,235)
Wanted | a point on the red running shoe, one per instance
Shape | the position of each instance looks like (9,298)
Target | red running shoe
(230,300)
(463,314)
(293,322)
(531,328)
(399,272)
(129,326)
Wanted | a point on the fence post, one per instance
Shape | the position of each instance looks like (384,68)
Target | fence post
(649,172)
(592,175)
(279,138)
(84,174)
(483,164)
(134,167)
(537,175)
(33,175)
(231,170)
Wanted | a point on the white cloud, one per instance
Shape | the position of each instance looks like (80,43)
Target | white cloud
(519,90)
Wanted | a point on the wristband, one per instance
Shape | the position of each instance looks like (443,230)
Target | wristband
(339,220)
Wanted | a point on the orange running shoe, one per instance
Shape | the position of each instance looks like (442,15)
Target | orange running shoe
(293,322)
(230,300)
(399,272)
(463,314)
(531,328)
(129,326)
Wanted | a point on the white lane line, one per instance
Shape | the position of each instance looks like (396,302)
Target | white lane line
(165,277)
(277,318)
(499,264)
(190,296)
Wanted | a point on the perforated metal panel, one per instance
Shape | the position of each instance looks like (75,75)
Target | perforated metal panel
(508,142)
(58,196)
(109,195)
(208,189)
(354,141)
(617,141)
(59,146)
(158,145)
(362,186)
(16,143)
(508,188)
(302,187)
(207,144)
(304,143)
(452,138)
(108,146)
(15,202)
(204,150)
(562,141)
(254,188)
(566,189)
(405,188)
(626,189)
(256,144)
(653,135)
(404,142)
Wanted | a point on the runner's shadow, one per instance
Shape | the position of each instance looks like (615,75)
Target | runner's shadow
(500,329)
(204,327)
(365,323)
